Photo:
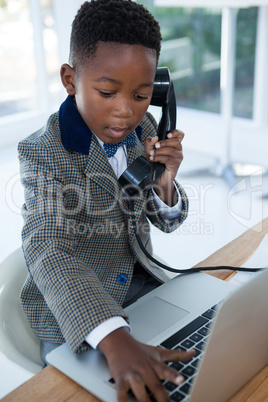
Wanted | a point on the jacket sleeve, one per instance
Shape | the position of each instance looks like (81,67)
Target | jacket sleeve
(71,290)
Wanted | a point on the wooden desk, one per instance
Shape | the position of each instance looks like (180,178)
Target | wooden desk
(51,385)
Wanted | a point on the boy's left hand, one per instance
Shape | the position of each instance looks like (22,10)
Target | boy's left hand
(168,152)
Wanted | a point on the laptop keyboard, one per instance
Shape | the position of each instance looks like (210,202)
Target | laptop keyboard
(193,336)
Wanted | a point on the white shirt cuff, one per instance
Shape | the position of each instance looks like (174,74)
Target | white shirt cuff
(168,213)
(104,329)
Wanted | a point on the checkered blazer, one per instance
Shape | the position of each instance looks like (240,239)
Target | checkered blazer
(78,241)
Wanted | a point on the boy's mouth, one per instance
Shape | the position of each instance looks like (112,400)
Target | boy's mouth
(118,131)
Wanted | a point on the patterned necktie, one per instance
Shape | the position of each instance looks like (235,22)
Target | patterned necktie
(111,149)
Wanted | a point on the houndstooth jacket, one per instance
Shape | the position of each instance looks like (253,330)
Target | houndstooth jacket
(78,241)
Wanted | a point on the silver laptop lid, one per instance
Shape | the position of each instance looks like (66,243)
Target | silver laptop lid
(238,346)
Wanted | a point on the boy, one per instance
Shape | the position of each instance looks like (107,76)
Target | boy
(79,245)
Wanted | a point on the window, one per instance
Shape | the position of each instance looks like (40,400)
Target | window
(22,55)
(18,66)
(218,56)
(246,29)
(50,40)
(192,36)
(191,49)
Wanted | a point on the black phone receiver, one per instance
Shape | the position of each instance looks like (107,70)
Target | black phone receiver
(143,173)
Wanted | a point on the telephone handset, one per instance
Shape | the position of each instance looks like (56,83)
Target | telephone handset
(143,173)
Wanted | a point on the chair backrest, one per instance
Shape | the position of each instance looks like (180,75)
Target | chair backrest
(17,341)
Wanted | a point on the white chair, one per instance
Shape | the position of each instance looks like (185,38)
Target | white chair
(17,341)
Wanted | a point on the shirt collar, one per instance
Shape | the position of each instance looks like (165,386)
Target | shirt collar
(75,134)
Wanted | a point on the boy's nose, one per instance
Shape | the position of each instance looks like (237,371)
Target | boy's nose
(123,108)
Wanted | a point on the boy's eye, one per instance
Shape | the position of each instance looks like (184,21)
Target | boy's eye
(106,93)
(141,97)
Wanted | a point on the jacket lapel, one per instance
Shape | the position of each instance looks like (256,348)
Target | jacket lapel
(139,202)
(98,169)
(134,152)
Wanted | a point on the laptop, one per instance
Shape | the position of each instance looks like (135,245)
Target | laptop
(228,329)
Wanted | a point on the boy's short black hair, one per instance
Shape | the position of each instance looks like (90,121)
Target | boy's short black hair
(121,21)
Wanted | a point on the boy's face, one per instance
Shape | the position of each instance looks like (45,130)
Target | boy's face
(113,90)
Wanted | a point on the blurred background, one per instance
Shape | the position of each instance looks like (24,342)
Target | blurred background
(218,57)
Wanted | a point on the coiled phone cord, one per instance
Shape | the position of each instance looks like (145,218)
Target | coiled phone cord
(177,270)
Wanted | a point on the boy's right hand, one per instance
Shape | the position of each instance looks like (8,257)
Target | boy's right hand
(135,366)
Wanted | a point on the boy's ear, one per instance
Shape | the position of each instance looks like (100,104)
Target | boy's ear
(67,74)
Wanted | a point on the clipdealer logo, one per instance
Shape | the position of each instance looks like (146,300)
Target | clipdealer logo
(251,187)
